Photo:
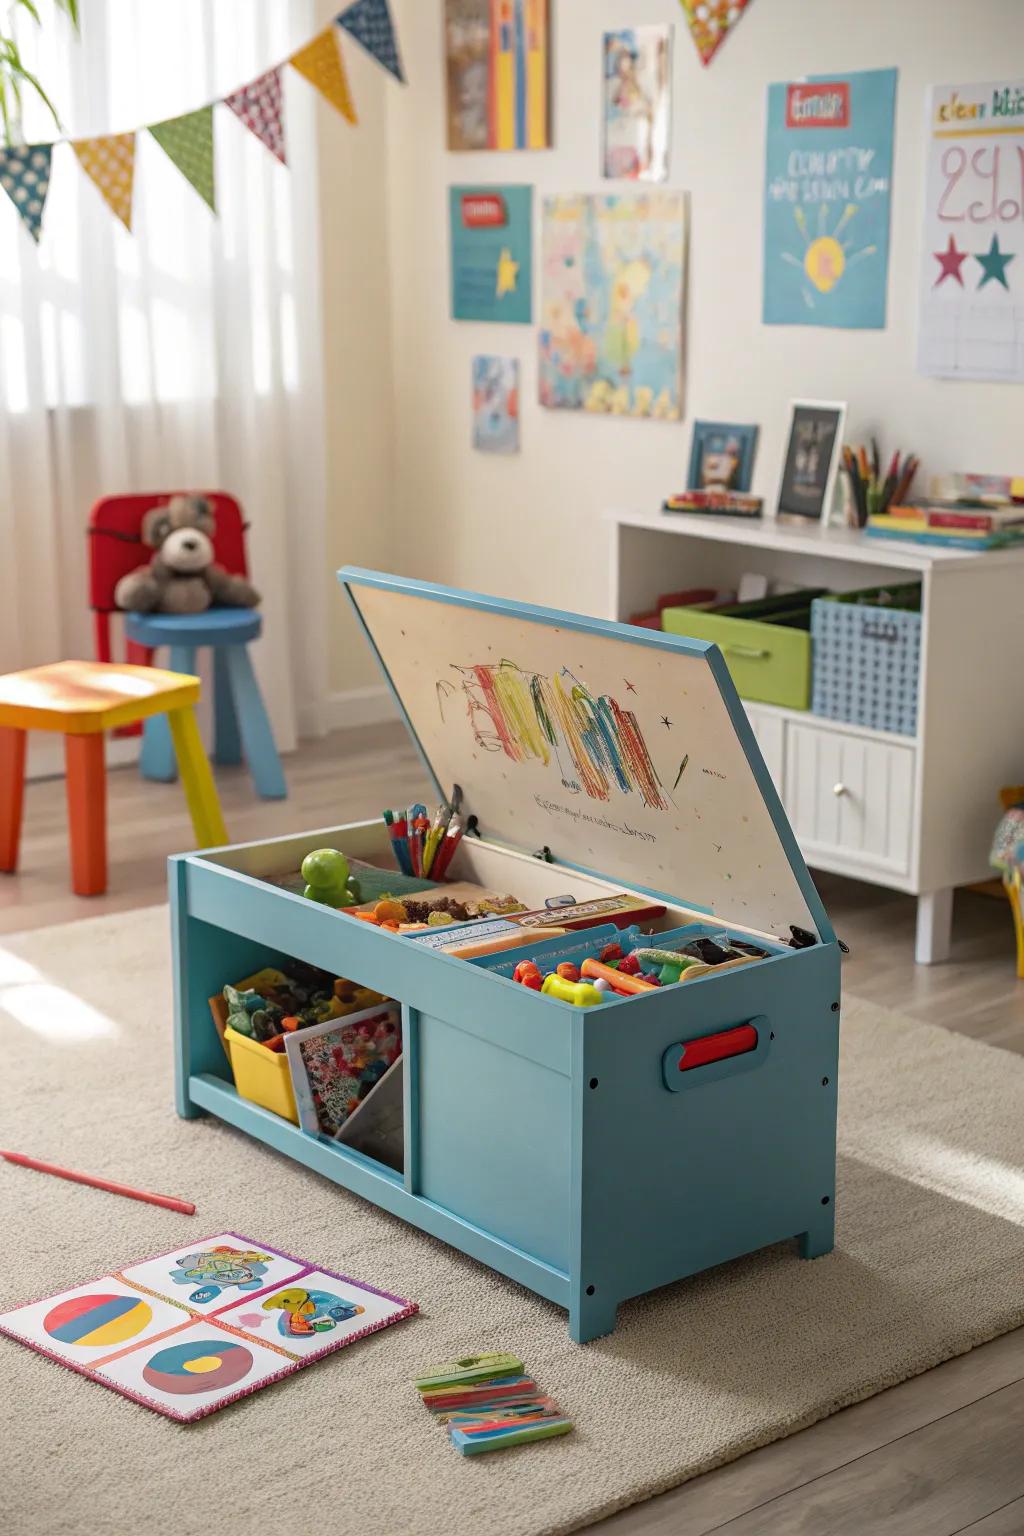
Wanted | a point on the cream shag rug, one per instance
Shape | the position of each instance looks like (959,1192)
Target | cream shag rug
(929,1262)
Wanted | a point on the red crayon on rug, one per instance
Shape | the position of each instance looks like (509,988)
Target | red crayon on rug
(170,1202)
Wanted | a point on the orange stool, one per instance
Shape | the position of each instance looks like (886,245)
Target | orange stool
(83,699)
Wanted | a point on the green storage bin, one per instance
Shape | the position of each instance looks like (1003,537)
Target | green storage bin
(770,661)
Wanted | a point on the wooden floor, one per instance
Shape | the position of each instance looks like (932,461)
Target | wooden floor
(939,1455)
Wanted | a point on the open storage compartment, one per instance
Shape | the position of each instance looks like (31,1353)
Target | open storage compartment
(590,1153)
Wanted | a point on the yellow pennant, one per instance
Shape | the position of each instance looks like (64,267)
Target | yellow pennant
(322,65)
(110,162)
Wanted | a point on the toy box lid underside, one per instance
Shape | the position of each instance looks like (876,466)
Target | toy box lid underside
(624,751)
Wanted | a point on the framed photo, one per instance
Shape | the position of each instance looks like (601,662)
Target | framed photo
(722,456)
(812,459)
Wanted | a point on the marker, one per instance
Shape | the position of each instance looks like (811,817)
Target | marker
(168,1201)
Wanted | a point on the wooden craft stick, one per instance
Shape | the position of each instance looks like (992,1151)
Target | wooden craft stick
(170,1202)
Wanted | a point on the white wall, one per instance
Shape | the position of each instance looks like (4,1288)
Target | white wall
(531,526)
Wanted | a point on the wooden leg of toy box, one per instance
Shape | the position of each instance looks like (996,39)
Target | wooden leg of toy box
(591,1317)
(821,1238)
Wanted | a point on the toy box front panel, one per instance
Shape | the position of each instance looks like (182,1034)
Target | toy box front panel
(624,752)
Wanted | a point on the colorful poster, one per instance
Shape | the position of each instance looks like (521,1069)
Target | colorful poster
(972,275)
(612,324)
(492,253)
(497,71)
(828,191)
(496,404)
(637,103)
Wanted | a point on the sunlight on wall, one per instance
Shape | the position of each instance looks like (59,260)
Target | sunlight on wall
(48,1010)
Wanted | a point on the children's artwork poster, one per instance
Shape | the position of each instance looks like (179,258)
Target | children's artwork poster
(611,340)
(497,70)
(496,404)
(972,277)
(492,253)
(190,1331)
(828,196)
(637,103)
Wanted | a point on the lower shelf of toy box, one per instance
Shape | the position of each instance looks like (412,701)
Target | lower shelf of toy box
(547,1141)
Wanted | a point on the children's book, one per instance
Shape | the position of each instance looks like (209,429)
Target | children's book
(335,1064)
(191,1330)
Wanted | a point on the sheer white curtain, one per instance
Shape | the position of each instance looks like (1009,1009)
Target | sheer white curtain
(183,354)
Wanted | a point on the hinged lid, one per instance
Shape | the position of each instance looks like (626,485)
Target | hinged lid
(624,750)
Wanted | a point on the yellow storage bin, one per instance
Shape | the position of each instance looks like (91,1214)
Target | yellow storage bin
(261,1074)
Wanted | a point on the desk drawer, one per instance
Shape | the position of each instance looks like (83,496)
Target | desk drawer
(850,796)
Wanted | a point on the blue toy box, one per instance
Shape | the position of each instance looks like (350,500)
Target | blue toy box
(591,1153)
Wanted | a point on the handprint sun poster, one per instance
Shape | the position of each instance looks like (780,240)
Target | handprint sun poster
(611,339)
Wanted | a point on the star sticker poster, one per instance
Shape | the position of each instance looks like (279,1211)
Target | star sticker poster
(828,193)
(492,253)
(972,254)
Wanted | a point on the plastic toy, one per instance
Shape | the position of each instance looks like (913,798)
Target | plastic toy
(328,880)
(527,972)
(580,993)
(619,981)
(670,964)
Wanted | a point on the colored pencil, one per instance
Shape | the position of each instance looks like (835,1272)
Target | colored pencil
(169,1202)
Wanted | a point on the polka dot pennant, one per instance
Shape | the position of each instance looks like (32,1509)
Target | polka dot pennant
(320,63)
(25,177)
(188,141)
(260,107)
(369,22)
(110,162)
(710,23)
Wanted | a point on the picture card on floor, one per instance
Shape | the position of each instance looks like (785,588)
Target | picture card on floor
(273,1314)
(972,274)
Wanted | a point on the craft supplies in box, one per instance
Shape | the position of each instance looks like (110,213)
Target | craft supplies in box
(867,657)
(598,760)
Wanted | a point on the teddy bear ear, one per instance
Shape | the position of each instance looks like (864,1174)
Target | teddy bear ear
(156,525)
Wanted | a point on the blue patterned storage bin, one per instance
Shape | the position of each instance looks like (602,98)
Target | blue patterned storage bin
(867,658)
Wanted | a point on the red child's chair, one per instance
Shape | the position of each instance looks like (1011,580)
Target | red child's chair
(240,718)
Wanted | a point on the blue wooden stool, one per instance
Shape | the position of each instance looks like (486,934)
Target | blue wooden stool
(241,725)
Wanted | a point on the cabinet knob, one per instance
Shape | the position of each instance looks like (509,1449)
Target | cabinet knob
(839,789)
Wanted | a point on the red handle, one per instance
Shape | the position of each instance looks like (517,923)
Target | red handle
(731,1042)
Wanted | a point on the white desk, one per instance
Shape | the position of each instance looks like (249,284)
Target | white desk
(915,813)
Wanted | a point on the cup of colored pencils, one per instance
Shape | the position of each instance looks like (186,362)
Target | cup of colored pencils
(871,491)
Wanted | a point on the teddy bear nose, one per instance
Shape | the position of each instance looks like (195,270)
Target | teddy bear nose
(189,544)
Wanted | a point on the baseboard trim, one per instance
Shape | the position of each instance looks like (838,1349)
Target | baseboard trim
(350,707)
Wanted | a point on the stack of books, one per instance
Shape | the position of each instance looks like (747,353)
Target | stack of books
(962,524)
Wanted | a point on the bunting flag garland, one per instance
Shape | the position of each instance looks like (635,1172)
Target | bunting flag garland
(320,63)
(25,177)
(109,159)
(110,162)
(188,141)
(260,106)
(369,22)
(710,23)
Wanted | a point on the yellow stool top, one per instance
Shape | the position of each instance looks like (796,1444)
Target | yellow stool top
(82,698)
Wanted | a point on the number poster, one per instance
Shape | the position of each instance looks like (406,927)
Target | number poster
(972,276)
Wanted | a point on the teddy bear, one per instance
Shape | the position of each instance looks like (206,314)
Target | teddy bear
(182,576)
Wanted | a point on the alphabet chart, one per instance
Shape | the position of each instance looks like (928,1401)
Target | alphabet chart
(972,273)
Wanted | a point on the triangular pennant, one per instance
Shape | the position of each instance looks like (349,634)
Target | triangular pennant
(369,22)
(25,177)
(259,104)
(110,162)
(320,62)
(188,141)
(711,21)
